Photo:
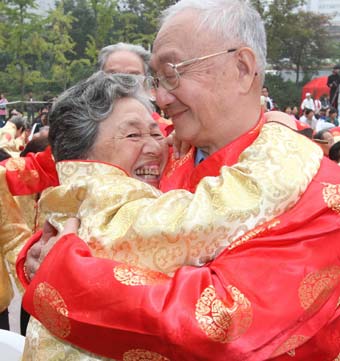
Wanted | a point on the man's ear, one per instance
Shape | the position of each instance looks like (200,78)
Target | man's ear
(247,68)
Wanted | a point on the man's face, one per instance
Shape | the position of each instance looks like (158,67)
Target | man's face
(124,62)
(207,89)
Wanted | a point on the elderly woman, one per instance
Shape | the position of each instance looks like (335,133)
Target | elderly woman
(106,142)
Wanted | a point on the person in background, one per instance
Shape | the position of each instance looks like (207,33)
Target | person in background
(295,112)
(333,117)
(324,138)
(333,82)
(308,103)
(124,58)
(30,108)
(323,114)
(268,99)
(317,107)
(3,102)
(325,101)
(309,118)
(40,121)
(132,59)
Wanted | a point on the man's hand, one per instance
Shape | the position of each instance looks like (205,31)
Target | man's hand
(49,238)
(180,148)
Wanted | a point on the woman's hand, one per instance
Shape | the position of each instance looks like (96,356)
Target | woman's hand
(180,148)
(38,252)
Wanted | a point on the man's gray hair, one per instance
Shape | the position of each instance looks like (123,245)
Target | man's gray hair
(232,20)
(135,49)
(76,115)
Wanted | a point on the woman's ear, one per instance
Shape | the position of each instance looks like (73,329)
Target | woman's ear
(246,64)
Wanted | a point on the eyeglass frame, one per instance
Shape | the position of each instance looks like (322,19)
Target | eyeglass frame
(158,79)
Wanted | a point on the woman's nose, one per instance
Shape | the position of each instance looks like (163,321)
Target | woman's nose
(152,145)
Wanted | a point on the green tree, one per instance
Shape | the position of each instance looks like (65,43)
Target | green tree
(23,43)
(296,39)
(83,19)
(104,12)
(60,45)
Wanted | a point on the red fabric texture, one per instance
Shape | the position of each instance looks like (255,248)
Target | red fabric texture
(109,318)
(183,174)
(316,87)
(289,271)
(31,174)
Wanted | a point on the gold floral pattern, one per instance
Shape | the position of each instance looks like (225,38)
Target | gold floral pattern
(14,164)
(135,276)
(331,196)
(290,345)
(51,309)
(175,164)
(337,358)
(260,230)
(143,355)
(223,321)
(317,286)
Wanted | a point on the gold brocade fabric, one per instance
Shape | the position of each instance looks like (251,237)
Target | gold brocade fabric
(13,234)
(8,141)
(129,221)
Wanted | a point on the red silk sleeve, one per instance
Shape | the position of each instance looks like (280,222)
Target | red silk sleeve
(274,290)
(220,309)
(31,174)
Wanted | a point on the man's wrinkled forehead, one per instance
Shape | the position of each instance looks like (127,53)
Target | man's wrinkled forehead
(173,39)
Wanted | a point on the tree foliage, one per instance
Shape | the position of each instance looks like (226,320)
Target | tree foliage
(49,52)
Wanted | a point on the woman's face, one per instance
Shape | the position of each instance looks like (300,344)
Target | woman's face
(132,140)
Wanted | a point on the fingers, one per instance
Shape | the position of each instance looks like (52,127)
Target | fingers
(48,231)
(185,147)
(170,139)
(38,252)
(32,262)
(176,145)
(71,226)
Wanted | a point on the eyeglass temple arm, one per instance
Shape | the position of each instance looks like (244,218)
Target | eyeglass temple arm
(191,61)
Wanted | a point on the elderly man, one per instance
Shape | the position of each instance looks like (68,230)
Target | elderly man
(124,58)
(308,103)
(274,291)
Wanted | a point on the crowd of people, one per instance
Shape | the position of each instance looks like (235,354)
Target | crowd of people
(163,210)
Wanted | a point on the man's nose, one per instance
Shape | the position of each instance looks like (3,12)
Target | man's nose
(164,98)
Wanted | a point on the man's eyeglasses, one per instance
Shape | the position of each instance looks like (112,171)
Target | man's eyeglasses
(171,76)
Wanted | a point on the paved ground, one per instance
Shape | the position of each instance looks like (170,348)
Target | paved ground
(14,311)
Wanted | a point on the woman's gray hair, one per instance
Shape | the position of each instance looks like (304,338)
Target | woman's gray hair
(135,49)
(77,113)
(232,20)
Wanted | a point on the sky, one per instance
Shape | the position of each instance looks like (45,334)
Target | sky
(44,5)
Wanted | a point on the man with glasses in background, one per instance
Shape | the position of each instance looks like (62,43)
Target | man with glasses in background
(274,293)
